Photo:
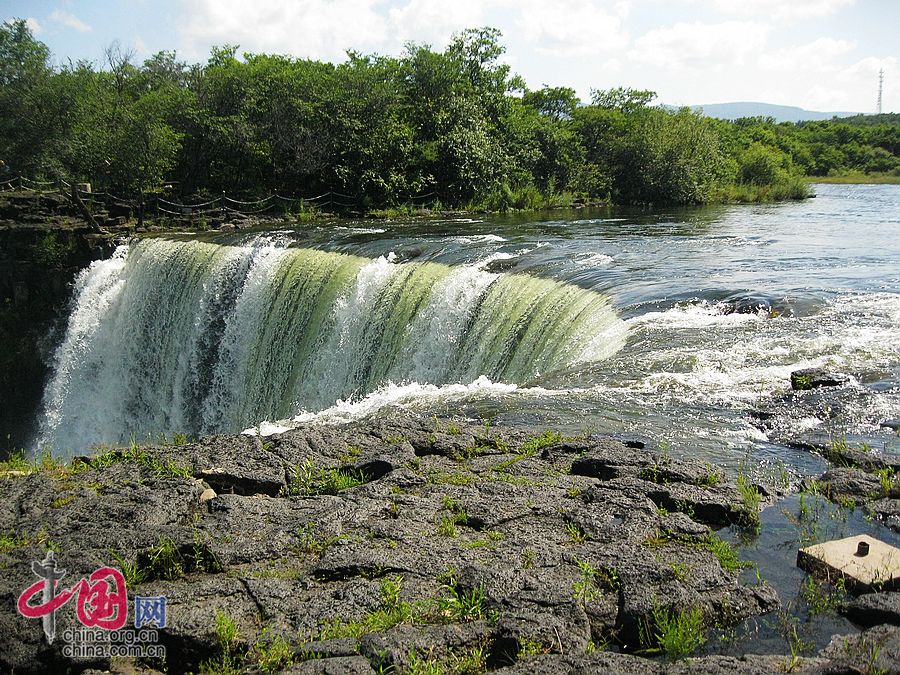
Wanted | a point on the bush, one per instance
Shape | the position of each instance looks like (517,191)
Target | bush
(759,165)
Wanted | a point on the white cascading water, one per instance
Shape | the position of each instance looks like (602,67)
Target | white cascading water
(185,336)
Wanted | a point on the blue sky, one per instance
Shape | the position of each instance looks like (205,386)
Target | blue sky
(817,54)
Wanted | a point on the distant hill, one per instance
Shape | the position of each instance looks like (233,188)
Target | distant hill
(781,113)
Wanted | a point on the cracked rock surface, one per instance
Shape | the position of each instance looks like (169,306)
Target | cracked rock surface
(386,544)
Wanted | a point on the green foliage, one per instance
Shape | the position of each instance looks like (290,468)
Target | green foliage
(822,597)
(226,631)
(272,654)
(10,542)
(678,634)
(163,561)
(450,478)
(136,454)
(724,552)
(453,127)
(593,581)
(889,481)
(310,479)
(132,571)
(531,446)
(760,165)
(575,534)
(17,462)
(453,607)
(750,501)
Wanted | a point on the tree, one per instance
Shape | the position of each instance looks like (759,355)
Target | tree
(25,75)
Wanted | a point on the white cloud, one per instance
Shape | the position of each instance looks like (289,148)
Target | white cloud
(433,22)
(33,25)
(862,76)
(782,10)
(700,45)
(70,20)
(818,56)
(573,27)
(322,29)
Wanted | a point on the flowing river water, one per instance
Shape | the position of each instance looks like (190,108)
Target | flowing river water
(677,326)
(669,324)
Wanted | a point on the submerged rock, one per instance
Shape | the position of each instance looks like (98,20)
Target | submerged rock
(813,378)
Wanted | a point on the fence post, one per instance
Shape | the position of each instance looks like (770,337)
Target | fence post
(222,208)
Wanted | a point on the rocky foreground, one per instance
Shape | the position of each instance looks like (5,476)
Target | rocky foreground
(404,545)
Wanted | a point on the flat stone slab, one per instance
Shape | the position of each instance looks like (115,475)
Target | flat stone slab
(878,570)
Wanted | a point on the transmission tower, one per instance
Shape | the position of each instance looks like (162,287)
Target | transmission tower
(880,88)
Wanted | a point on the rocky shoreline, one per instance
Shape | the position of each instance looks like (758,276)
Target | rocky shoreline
(407,544)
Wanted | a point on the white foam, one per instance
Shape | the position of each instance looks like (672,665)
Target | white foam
(593,259)
(408,395)
(696,315)
(475,238)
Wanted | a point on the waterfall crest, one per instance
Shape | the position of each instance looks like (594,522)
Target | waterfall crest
(198,338)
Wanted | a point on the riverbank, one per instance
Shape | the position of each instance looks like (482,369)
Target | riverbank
(858,179)
(418,544)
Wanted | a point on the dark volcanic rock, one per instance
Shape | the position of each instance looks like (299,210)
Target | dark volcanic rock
(383,544)
(876,650)
(813,378)
(873,609)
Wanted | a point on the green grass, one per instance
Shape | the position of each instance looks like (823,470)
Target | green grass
(783,189)
(272,654)
(724,552)
(10,542)
(858,178)
(750,501)
(889,481)
(18,462)
(134,453)
(532,445)
(132,572)
(528,558)
(678,634)
(310,544)
(592,581)
(450,478)
(471,661)
(575,534)
(230,662)
(721,549)
(455,606)
(711,478)
(60,502)
(391,612)
(163,561)
(822,597)
(312,480)
(446,526)
(352,454)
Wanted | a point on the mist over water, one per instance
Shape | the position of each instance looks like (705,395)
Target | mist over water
(675,325)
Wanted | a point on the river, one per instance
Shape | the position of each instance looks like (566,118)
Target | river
(673,325)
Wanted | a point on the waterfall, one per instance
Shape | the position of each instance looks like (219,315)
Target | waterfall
(195,337)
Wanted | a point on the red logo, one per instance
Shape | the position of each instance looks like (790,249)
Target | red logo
(101,600)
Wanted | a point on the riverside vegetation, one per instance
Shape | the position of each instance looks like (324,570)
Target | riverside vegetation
(452,128)
(583,555)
